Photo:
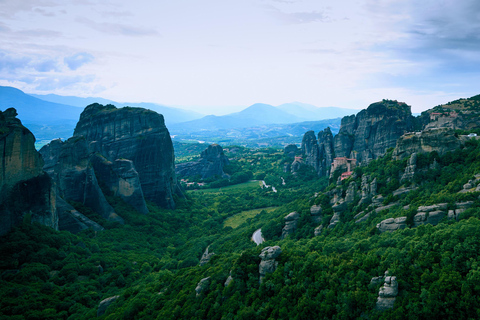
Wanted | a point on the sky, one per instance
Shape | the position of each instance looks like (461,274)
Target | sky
(220,56)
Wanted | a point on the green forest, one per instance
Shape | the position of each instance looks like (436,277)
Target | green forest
(152,261)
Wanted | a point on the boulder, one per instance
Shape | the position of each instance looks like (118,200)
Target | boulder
(104,304)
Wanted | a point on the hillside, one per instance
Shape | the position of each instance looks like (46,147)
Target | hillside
(396,238)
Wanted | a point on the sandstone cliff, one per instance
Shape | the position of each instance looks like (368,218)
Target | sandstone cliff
(211,163)
(138,135)
(25,188)
(372,131)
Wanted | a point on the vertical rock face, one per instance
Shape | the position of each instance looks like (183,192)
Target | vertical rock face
(343,141)
(25,188)
(68,163)
(290,150)
(325,144)
(121,178)
(310,150)
(371,132)
(211,163)
(138,135)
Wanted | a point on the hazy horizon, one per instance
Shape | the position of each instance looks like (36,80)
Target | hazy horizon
(215,57)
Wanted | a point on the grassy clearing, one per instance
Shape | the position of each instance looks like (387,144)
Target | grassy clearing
(241,217)
(252,184)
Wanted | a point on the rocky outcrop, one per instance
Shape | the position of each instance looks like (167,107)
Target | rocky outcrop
(290,150)
(372,131)
(439,140)
(104,304)
(430,214)
(316,213)
(25,188)
(325,145)
(211,163)
(268,263)
(68,164)
(311,151)
(410,169)
(318,230)
(290,224)
(392,224)
(206,257)
(202,285)
(460,207)
(387,294)
(138,135)
(122,180)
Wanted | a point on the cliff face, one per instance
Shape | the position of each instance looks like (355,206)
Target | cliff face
(325,145)
(440,140)
(138,135)
(211,163)
(25,188)
(372,131)
(68,163)
(311,151)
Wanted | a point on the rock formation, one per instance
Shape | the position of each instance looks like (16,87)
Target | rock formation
(439,140)
(316,212)
(25,188)
(202,285)
(206,257)
(122,180)
(211,163)
(268,263)
(138,135)
(371,132)
(290,224)
(392,224)
(310,150)
(290,150)
(430,214)
(104,304)
(387,294)
(410,169)
(325,145)
(68,164)
(318,230)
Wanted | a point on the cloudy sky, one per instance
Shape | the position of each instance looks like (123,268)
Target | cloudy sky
(218,56)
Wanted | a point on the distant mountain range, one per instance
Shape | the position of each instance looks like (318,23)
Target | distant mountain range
(52,116)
